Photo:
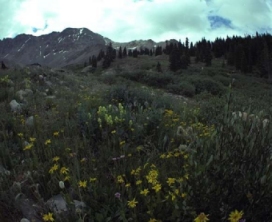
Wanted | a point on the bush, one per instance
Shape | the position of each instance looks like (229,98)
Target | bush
(159,80)
(183,88)
(208,85)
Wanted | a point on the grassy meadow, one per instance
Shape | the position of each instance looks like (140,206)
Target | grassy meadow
(133,144)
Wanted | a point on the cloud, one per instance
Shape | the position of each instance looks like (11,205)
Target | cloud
(126,20)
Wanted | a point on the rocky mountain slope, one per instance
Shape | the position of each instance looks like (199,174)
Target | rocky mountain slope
(58,49)
(55,49)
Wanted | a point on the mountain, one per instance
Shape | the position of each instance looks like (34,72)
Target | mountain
(55,49)
(58,49)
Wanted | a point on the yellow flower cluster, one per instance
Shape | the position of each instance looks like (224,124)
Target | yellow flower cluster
(111,116)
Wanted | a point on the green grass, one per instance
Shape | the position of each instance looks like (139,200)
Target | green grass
(132,149)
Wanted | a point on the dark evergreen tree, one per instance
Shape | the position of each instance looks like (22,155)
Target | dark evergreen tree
(129,52)
(135,53)
(159,69)
(94,61)
(175,60)
(208,56)
(120,53)
(100,55)
(158,51)
(125,52)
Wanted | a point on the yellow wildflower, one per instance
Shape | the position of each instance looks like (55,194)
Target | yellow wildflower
(122,143)
(32,139)
(138,182)
(56,159)
(82,183)
(144,192)
(120,179)
(133,172)
(20,135)
(67,178)
(157,187)
(92,180)
(47,142)
(162,156)
(64,170)
(28,147)
(132,203)
(183,195)
(127,185)
(129,155)
(48,217)
(235,216)
(56,133)
(171,181)
(113,132)
(201,218)
(54,168)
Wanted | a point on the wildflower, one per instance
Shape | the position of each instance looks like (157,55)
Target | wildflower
(64,170)
(201,218)
(129,155)
(113,132)
(122,143)
(139,148)
(56,133)
(183,195)
(20,135)
(92,180)
(133,172)
(56,159)
(117,195)
(171,181)
(67,178)
(28,147)
(54,168)
(144,192)
(132,203)
(61,184)
(82,184)
(162,156)
(127,185)
(157,187)
(186,176)
(32,139)
(138,182)
(48,217)
(47,142)
(235,216)
(120,179)
(83,160)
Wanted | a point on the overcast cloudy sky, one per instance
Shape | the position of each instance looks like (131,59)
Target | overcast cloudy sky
(126,20)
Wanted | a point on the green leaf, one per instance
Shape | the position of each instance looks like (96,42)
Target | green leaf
(210,160)
(263,179)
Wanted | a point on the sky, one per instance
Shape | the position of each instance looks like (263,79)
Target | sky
(127,20)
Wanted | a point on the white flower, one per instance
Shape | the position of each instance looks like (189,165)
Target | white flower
(61,185)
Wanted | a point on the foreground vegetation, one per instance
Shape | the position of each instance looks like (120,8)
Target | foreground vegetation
(131,152)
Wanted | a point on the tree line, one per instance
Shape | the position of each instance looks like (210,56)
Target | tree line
(246,54)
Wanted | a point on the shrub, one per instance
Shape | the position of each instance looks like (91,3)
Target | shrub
(208,85)
(182,88)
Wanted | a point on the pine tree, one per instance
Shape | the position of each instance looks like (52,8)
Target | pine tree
(120,53)
(125,52)
(175,60)
(208,57)
(94,61)
(159,69)
(135,53)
